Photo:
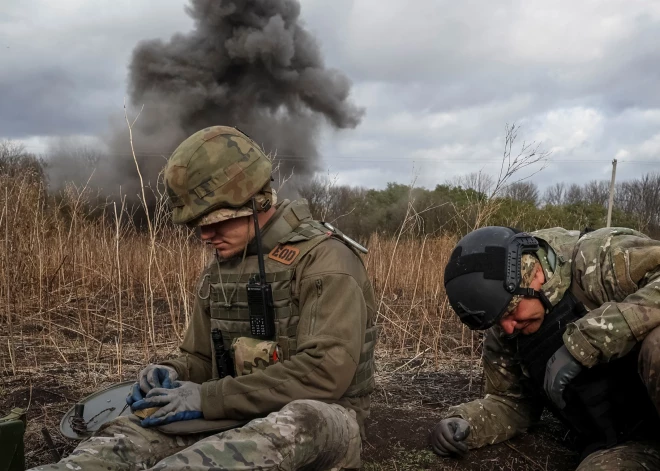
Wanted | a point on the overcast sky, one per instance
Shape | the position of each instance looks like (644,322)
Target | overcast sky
(439,80)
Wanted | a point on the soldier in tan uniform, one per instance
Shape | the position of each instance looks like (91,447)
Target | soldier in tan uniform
(572,325)
(302,391)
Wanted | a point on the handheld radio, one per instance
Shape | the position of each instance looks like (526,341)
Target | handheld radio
(260,293)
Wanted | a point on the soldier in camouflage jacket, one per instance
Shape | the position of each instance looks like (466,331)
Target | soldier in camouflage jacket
(296,399)
(612,339)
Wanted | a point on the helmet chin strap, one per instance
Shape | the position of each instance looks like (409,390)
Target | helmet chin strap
(532,293)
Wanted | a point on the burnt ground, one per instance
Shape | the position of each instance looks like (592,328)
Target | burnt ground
(407,404)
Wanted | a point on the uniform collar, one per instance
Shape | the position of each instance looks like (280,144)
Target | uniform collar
(279,225)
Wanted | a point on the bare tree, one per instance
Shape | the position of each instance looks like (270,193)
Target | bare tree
(529,155)
(10,151)
(16,161)
(574,194)
(315,191)
(650,198)
(480,210)
(640,198)
(477,181)
(526,192)
(555,194)
(596,192)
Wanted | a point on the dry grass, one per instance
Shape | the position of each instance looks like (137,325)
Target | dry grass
(67,276)
(87,297)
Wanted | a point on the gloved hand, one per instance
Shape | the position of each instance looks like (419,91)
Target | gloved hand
(182,402)
(135,395)
(156,376)
(560,370)
(448,436)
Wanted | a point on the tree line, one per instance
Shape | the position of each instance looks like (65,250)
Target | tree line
(465,203)
(454,207)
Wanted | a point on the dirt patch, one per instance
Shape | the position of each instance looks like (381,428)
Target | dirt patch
(407,404)
(397,439)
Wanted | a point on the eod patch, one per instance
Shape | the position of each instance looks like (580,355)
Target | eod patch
(285,254)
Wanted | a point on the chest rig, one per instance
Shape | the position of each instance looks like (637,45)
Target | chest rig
(605,405)
(228,300)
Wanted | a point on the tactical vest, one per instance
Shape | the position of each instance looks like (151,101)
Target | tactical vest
(228,307)
(606,404)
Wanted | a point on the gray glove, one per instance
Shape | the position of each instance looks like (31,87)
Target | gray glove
(560,370)
(181,402)
(156,376)
(447,437)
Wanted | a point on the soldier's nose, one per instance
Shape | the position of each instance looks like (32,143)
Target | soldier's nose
(508,326)
(206,233)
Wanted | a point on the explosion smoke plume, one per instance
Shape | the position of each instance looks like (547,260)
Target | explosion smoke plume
(246,63)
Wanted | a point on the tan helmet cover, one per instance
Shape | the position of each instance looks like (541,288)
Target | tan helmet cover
(217,168)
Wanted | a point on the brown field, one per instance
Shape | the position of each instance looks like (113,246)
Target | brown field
(86,301)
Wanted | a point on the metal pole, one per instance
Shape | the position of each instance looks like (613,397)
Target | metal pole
(611,202)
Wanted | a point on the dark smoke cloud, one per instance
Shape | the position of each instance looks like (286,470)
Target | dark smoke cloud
(247,63)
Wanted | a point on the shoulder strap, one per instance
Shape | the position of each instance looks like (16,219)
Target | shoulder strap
(308,235)
(299,242)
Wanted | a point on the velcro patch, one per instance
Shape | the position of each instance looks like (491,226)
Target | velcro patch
(285,254)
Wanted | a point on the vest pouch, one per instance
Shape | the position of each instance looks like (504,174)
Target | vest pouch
(254,354)
(222,334)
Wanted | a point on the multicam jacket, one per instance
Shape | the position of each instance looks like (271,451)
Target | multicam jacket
(324,305)
(618,270)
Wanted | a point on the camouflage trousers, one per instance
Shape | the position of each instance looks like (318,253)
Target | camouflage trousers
(642,455)
(304,435)
(634,456)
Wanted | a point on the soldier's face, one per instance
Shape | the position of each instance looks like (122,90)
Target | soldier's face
(528,315)
(228,237)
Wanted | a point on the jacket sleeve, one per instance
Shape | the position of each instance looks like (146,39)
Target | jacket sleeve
(620,272)
(331,331)
(194,363)
(509,406)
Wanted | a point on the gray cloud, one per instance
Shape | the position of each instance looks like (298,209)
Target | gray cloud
(439,80)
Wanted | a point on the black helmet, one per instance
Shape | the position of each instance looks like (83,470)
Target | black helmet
(483,274)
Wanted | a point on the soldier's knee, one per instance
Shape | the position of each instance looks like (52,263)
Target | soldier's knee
(308,416)
(632,457)
(314,412)
(305,406)
(304,415)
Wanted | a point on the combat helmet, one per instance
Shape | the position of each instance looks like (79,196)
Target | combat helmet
(484,274)
(213,175)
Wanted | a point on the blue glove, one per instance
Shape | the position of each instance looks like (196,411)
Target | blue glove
(134,395)
(182,402)
(560,370)
(156,376)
